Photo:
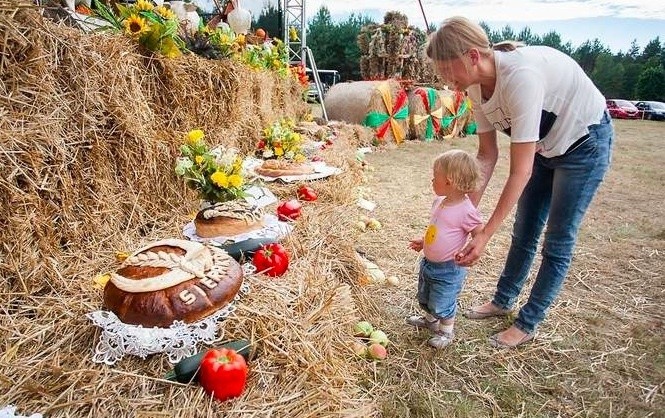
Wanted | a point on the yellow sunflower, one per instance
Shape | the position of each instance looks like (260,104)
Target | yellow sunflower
(143,5)
(165,12)
(135,26)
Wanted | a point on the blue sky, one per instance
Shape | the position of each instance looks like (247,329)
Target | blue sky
(614,22)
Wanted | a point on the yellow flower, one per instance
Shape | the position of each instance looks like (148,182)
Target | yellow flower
(165,12)
(295,137)
(237,165)
(194,136)
(279,151)
(276,63)
(235,180)
(199,159)
(299,158)
(135,26)
(220,179)
(143,5)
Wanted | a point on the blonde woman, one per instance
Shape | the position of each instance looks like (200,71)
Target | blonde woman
(560,148)
(454,217)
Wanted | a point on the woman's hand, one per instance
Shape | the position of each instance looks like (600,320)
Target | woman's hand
(416,244)
(471,253)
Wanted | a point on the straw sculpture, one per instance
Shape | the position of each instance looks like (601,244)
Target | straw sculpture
(425,113)
(380,105)
(89,133)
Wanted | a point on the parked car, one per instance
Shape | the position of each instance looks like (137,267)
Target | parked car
(313,94)
(622,109)
(651,110)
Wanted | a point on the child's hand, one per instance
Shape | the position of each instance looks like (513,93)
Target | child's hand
(416,244)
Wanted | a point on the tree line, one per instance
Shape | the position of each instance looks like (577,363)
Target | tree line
(637,74)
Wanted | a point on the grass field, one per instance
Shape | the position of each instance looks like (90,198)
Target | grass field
(601,351)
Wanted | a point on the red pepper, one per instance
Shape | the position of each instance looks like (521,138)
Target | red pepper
(223,373)
(271,259)
(307,194)
(289,210)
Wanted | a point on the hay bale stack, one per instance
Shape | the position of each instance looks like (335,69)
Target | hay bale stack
(91,129)
(425,113)
(89,133)
(354,102)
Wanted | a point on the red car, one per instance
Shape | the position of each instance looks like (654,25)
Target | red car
(622,109)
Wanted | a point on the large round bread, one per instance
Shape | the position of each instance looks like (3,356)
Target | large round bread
(278,168)
(172,280)
(228,219)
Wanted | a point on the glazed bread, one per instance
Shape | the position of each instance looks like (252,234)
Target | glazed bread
(172,280)
(228,219)
(277,168)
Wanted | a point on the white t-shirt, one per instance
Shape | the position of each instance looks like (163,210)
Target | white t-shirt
(541,95)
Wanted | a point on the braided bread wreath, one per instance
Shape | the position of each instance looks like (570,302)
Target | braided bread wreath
(172,280)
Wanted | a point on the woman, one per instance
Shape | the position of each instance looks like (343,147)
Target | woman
(561,139)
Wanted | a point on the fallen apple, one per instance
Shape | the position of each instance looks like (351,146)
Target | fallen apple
(359,349)
(363,329)
(374,224)
(377,352)
(378,337)
(393,280)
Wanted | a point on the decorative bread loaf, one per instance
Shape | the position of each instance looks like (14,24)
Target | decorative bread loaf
(228,219)
(277,168)
(172,280)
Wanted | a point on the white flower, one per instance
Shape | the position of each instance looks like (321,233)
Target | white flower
(267,153)
(183,165)
(289,155)
(228,158)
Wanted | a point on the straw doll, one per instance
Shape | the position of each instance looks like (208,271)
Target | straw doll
(453,218)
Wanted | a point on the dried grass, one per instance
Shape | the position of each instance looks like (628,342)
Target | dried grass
(89,131)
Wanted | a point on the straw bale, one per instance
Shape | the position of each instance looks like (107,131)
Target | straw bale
(418,111)
(352,101)
(457,127)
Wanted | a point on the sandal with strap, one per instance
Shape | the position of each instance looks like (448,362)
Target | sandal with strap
(474,313)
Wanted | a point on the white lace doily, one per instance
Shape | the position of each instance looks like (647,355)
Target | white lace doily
(321,170)
(178,341)
(273,229)
(9,411)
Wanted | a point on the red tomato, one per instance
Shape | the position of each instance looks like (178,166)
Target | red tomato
(307,194)
(289,210)
(223,373)
(271,259)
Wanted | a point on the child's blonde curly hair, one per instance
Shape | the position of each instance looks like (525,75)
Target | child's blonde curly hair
(461,168)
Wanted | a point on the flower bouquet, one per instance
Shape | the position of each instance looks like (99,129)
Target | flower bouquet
(281,148)
(218,177)
(154,28)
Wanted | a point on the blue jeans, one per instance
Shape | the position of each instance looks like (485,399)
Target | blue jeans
(439,284)
(559,193)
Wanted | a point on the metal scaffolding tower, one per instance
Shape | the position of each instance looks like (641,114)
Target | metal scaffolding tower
(293,12)
(294,17)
